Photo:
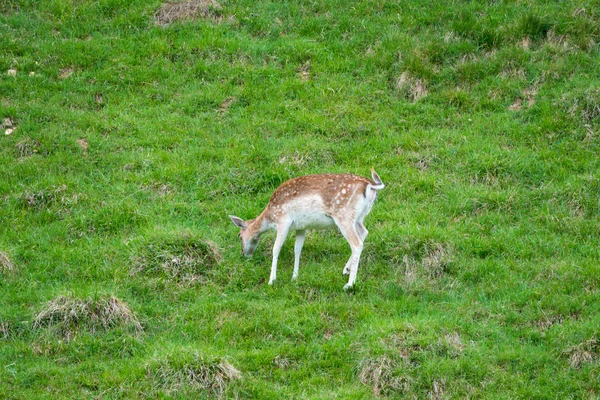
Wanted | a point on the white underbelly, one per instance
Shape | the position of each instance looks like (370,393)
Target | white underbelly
(312,221)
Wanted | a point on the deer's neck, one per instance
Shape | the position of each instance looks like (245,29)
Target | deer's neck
(260,224)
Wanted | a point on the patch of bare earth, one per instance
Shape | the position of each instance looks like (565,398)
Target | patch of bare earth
(186,10)
(67,316)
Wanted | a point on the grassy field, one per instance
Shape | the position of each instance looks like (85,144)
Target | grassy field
(131,129)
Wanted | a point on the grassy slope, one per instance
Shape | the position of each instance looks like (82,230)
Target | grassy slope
(480,274)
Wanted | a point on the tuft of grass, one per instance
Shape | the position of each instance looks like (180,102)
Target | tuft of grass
(584,353)
(533,26)
(584,105)
(437,259)
(384,376)
(27,147)
(422,259)
(43,198)
(186,10)
(180,256)
(5,330)
(6,264)
(67,316)
(189,372)
(410,87)
(438,390)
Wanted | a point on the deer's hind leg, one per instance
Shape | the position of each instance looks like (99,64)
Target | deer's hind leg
(348,229)
(300,235)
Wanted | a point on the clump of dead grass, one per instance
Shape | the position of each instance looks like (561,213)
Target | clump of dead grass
(43,198)
(584,105)
(428,259)
(382,375)
(410,87)
(438,389)
(185,10)
(27,147)
(437,259)
(67,316)
(190,371)
(181,257)
(6,264)
(305,70)
(584,353)
(5,330)
(454,343)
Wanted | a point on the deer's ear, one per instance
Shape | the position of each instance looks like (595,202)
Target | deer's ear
(240,223)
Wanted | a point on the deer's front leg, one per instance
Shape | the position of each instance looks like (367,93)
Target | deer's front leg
(282,231)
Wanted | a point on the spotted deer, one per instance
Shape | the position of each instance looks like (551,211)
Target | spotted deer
(314,202)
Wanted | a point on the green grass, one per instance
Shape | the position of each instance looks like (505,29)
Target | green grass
(132,143)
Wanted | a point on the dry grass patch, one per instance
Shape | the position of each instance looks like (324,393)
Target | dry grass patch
(304,72)
(43,198)
(228,102)
(161,189)
(410,87)
(584,105)
(64,73)
(5,330)
(181,257)
(9,125)
(185,372)
(67,316)
(437,259)
(185,10)
(453,342)
(282,362)
(27,147)
(438,390)
(6,264)
(297,159)
(584,353)
(383,375)
(421,260)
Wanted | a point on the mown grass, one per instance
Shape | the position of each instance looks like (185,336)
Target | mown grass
(131,140)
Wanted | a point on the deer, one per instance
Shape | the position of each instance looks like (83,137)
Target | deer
(323,201)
